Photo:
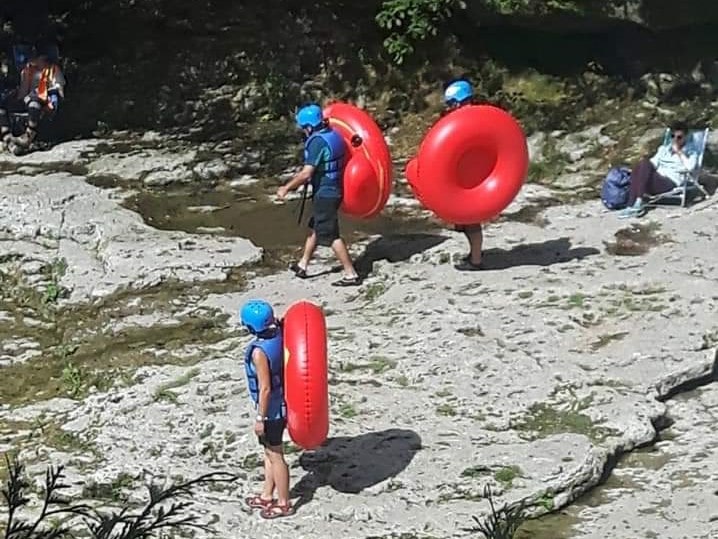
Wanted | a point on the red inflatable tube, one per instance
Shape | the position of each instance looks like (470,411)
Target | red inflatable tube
(306,389)
(368,173)
(471,165)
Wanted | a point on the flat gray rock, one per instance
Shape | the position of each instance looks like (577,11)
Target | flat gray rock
(105,246)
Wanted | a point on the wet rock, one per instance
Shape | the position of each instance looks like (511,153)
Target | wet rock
(67,153)
(153,167)
(211,170)
(105,246)
(18,351)
(243,181)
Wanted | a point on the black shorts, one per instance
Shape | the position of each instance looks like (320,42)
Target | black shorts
(468,229)
(273,432)
(325,219)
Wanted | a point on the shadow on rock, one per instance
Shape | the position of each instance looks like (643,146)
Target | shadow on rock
(710,183)
(395,248)
(535,254)
(352,464)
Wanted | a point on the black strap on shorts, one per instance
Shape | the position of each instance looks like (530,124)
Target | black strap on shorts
(302,202)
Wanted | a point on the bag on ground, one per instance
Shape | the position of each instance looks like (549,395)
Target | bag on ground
(614,191)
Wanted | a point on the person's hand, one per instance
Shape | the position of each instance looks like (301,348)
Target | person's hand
(282,192)
(259,428)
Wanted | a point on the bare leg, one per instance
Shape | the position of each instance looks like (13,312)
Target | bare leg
(310,245)
(476,241)
(280,472)
(268,489)
(342,253)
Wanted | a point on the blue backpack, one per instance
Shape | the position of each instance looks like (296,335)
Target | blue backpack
(614,191)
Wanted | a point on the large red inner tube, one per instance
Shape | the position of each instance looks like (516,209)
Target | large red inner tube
(470,165)
(306,389)
(368,173)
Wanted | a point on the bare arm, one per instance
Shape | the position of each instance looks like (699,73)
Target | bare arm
(300,178)
(261,365)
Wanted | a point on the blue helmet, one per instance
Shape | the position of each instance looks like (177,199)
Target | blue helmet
(310,116)
(457,92)
(257,315)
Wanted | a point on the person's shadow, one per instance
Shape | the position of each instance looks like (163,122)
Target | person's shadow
(352,464)
(535,254)
(395,248)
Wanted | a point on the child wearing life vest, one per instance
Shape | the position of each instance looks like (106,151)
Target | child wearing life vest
(264,368)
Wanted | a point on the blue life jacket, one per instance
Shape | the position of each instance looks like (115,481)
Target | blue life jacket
(328,182)
(273,348)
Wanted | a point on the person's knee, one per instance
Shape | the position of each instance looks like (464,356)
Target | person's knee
(643,162)
(275,454)
(34,111)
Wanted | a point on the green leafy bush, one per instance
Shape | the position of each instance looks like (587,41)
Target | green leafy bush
(411,21)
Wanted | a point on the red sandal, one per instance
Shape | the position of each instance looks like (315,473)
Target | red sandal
(257,502)
(277,511)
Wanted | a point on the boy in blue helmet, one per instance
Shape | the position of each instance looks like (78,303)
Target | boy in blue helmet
(264,367)
(457,94)
(324,161)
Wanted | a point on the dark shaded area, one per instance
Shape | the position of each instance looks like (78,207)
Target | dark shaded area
(395,248)
(352,464)
(535,254)
(217,63)
(709,183)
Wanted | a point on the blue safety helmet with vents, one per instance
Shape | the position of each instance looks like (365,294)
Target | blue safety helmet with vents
(310,116)
(257,316)
(457,92)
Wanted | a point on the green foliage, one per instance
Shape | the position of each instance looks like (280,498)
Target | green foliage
(411,21)
(59,516)
(502,523)
(533,6)
(544,7)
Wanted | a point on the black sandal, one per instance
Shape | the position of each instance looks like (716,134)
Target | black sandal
(298,271)
(348,281)
(468,265)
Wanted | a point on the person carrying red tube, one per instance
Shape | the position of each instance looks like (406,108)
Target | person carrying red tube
(264,368)
(457,94)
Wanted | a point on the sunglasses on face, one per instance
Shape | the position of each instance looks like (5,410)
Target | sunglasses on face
(678,136)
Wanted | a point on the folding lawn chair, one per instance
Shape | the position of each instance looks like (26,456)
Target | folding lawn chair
(696,140)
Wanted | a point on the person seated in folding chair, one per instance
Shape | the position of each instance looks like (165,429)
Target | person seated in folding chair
(42,85)
(662,173)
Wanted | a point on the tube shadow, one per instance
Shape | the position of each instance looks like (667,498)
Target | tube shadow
(352,464)
(395,248)
(535,254)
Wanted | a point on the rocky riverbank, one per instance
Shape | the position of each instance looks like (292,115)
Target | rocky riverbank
(120,346)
